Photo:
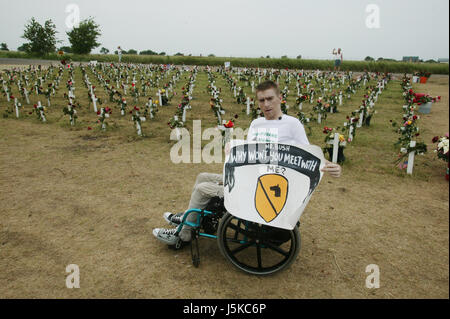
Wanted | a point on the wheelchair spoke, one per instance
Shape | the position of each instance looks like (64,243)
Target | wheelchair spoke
(277,249)
(238,230)
(258,256)
(242,247)
(238,227)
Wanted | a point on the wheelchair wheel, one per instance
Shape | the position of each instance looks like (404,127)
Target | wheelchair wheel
(257,249)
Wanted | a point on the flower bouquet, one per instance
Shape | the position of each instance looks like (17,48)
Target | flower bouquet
(329,141)
(442,150)
(70,110)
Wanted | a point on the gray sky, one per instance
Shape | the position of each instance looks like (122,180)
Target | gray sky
(250,28)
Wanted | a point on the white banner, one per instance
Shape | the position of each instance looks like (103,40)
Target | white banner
(271,183)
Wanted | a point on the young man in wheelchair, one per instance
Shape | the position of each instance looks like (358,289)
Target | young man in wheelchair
(289,130)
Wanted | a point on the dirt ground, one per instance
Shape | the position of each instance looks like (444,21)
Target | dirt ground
(73,196)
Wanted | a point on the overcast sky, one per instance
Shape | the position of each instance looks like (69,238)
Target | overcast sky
(251,28)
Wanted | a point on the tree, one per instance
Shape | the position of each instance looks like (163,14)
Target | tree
(179,54)
(24,48)
(284,57)
(66,49)
(132,51)
(148,52)
(369,58)
(84,37)
(4,47)
(211,55)
(42,39)
(162,53)
(299,56)
(104,50)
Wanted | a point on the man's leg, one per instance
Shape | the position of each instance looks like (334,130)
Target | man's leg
(206,186)
(201,195)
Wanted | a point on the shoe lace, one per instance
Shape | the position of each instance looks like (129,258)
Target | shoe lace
(169,231)
(177,218)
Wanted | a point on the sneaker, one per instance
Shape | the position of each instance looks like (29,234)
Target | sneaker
(173,219)
(166,235)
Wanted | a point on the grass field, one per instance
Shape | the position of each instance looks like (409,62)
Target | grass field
(76,196)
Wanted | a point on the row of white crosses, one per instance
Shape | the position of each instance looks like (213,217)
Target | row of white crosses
(412,144)
(189,91)
(215,94)
(380,86)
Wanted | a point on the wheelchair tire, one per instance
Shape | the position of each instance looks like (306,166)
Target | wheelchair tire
(257,249)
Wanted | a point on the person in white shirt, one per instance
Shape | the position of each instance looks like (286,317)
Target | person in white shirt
(337,59)
(274,127)
(119,52)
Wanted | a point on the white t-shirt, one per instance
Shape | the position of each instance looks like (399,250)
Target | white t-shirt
(288,130)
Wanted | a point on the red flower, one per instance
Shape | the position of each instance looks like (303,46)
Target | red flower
(98,112)
(229,124)
(415,117)
(435,139)
(89,128)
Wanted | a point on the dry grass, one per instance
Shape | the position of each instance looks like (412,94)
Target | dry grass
(92,199)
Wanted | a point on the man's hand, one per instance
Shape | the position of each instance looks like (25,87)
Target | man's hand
(332,168)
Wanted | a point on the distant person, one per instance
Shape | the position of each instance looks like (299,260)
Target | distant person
(337,59)
(119,52)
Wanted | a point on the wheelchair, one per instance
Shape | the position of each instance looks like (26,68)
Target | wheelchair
(251,247)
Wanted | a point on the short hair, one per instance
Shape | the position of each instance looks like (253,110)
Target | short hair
(266,85)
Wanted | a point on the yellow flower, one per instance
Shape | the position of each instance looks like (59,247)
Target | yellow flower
(409,122)
(341,138)
(156,102)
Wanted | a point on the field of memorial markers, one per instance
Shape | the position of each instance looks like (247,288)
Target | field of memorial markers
(86,175)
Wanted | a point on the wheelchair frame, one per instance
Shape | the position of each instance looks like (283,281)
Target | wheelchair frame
(252,235)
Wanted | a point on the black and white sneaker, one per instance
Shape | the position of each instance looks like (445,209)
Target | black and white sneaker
(173,219)
(167,236)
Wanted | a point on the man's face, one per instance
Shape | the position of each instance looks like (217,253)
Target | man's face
(269,103)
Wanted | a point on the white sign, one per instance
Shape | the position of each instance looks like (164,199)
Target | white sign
(269,183)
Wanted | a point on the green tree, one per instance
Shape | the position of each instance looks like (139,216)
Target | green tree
(66,49)
(148,52)
(132,51)
(42,39)
(4,47)
(84,37)
(24,48)
(162,53)
(369,58)
(104,50)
